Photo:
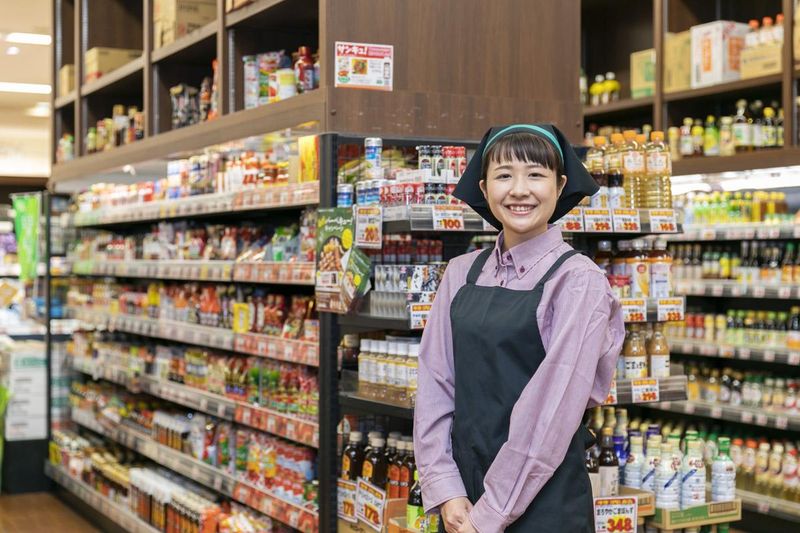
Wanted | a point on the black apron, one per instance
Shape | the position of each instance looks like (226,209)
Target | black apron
(497,349)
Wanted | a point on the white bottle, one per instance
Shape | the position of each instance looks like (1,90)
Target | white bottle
(723,473)
(364,368)
(668,483)
(635,463)
(391,371)
(412,366)
(693,476)
(380,349)
(651,461)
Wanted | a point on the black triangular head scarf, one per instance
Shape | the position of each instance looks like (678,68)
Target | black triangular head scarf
(579,182)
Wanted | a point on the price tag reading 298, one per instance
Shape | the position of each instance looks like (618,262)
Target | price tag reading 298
(615,515)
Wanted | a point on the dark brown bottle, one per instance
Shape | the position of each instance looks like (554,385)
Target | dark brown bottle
(352,457)
(392,468)
(407,468)
(608,464)
(375,466)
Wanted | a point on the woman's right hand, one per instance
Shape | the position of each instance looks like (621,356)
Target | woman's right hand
(455,512)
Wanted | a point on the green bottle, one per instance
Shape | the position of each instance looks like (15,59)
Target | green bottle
(415,513)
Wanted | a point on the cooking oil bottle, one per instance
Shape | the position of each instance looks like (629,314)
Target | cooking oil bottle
(655,188)
(632,168)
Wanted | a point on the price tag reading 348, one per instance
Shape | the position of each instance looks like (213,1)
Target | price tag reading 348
(615,515)
(448,218)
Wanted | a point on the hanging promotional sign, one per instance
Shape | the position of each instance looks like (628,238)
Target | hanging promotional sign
(26,227)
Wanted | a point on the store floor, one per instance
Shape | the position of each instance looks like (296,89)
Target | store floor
(40,512)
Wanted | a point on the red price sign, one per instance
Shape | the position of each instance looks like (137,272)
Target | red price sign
(597,220)
(626,221)
(644,390)
(663,221)
(573,221)
(615,515)
(448,218)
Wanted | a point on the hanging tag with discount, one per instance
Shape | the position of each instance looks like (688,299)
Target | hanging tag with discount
(597,220)
(615,514)
(573,220)
(644,390)
(663,221)
(670,309)
(369,226)
(346,505)
(634,309)
(626,221)
(448,218)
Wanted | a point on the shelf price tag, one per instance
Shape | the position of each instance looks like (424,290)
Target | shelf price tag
(448,218)
(634,309)
(670,309)
(370,502)
(346,501)
(708,234)
(663,221)
(573,220)
(626,221)
(597,220)
(615,515)
(644,390)
(419,314)
(369,226)
(611,399)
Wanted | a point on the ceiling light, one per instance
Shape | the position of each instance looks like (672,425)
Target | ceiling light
(14,87)
(29,38)
(12,50)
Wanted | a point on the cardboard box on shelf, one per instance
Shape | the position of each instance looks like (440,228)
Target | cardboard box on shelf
(699,515)
(677,61)
(643,73)
(66,79)
(173,19)
(646,501)
(101,60)
(761,60)
(716,52)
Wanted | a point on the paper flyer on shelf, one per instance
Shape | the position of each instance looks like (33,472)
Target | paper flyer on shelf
(342,269)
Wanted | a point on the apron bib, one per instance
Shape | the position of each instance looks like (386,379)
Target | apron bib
(497,349)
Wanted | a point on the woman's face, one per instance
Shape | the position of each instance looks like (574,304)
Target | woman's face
(522,196)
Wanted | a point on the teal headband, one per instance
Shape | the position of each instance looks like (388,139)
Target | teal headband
(536,129)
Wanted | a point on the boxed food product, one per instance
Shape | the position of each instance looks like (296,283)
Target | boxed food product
(173,19)
(250,81)
(716,52)
(643,73)
(66,79)
(761,60)
(677,61)
(101,60)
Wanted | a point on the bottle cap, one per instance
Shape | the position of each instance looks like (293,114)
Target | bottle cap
(629,135)
(604,246)
(392,442)
(656,136)
(402,349)
(355,437)
(395,435)
(753,23)
(600,140)
(377,442)
(373,435)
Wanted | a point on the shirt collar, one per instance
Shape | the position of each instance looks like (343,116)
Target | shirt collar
(525,256)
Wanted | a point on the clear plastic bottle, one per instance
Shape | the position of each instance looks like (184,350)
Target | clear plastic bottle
(660,270)
(365,368)
(412,366)
(635,463)
(381,354)
(401,373)
(390,392)
(639,270)
(656,189)
(633,169)
(726,146)
(652,459)
(761,474)
(693,476)
(668,484)
(686,141)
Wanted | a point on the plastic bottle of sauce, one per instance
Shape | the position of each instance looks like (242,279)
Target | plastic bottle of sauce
(412,366)
(686,143)
(304,70)
(392,468)
(660,271)
(352,457)
(375,468)
(658,350)
(408,466)
(742,127)
(639,270)
(726,145)
(634,354)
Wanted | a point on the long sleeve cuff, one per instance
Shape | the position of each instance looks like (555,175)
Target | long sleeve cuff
(442,489)
(485,519)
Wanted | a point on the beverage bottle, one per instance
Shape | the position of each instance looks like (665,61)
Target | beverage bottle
(412,366)
(796,269)
(609,418)
(595,161)
(742,128)
(791,483)
(407,468)
(711,138)
(686,141)
(639,270)
(401,373)
(793,334)
(770,130)
(762,469)
(775,477)
(751,37)
(365,369)
(779,128)
(353,457)
(660,263)
(415,513)
(616,181)
(757,128)
(674,142)
(635,463)
(634,354)
(726,144)
(766,35)
(693,476)
(620,439)
(603,256)
(652,459)
(777,29)
(375,467)
(597,421)
(611,88)
(658,350)
(370,436)
(593,468)
(392,469)
(656,189)
(723,473)
(608,465)
(667,479)
(632,168)
(698,137)
(393,390)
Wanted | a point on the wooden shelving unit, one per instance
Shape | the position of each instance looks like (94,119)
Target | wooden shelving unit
(645,26)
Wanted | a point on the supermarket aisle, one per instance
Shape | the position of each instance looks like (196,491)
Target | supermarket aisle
(40,513)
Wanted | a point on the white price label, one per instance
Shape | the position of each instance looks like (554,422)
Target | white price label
(346,500)
(781,422)
(670,309)
(717,290)
(688,408)
(572,221)
(793,358)
(747,417)
(448,218)
(784,292)
(597,220)
(744,353)
(370,503)
(769,356)
(759,291)
(634,309)
(708,234)
(716,411)
(369,226)
(761,419)
(626,221)
(737,290)
(726,351)
(644,390)
(615,514)
(796,232)
(663,221)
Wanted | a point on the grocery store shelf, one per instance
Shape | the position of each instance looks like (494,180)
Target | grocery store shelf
(279,424)
(126,74)
(363,321)
(65,100)
(351,400)
(115,512)
(244,13)
(770,158)
(723,88)
(728,351)
(653,309)
(419,217)
(301,109)
(768,505)
(180,270)
(179,47)
(672,388)
(269,198)
(282,273)
(280,349)
(204,474)
(733,289)
(628,104)
(744,415)
(736,232)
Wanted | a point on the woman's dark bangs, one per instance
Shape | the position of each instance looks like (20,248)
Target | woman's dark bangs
(526,148)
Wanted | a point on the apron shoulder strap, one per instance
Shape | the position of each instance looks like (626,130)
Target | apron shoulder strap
(560,261)
(477,266)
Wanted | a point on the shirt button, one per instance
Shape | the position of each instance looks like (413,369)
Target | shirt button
(502,283)
(522,269)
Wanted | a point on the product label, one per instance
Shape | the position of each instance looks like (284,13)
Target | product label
(660,278)
(370,503)
(419,314)
(663,221)
(573,220)
(609,480)
(657,162)
(615,515)
(448,218)
(597,220)
(742,134)
(635,367)
(346,501)
(633,162)
(644,390)
(363,66)
(369,226)
(626,221)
